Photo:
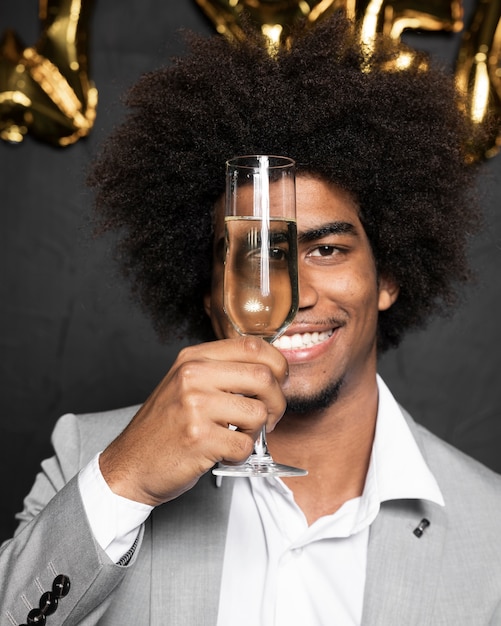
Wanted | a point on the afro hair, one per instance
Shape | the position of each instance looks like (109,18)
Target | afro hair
(395,139)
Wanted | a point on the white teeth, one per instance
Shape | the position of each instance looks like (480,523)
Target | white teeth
(301,340)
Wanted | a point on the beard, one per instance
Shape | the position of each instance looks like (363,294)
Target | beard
(315,403)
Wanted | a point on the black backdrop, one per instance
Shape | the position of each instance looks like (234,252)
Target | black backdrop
(70,339)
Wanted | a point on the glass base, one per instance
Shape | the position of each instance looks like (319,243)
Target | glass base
(255,467)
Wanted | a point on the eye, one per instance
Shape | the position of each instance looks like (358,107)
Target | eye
(275,255)
(324,251)
(278,254)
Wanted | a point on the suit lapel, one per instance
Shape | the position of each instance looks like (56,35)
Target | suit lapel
(403,569)
(188,539)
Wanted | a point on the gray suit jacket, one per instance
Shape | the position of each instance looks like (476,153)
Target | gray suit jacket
(450,576)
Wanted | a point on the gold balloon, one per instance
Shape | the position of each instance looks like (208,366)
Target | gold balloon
(271,17)
(45,89)
(395,16)
(274,17)
(479,76)
(478,73)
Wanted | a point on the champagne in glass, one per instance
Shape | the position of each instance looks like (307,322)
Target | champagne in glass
(260,273)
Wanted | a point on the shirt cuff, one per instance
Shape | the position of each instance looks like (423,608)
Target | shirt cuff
(114,520)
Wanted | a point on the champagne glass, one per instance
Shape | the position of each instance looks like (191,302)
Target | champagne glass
(260,270)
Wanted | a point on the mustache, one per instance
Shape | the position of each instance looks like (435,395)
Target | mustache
(331,322)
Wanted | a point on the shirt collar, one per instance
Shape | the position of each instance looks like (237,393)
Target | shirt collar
(397,468)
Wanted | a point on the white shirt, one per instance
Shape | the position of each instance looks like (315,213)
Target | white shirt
(277,570)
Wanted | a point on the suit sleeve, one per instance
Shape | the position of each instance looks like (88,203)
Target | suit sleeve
(496,616)
(53,539)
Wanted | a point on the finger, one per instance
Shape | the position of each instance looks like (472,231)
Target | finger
(199,382)
(237,447)
(248,415)
(240,349)
(225,409)
(249,382)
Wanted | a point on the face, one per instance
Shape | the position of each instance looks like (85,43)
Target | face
(331,345)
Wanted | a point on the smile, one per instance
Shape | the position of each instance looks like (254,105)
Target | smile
(301,340)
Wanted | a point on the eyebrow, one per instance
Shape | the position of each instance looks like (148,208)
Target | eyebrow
(332,228)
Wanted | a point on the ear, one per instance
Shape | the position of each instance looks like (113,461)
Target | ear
(388,292)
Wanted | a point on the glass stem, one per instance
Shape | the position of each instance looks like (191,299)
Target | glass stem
(261,453)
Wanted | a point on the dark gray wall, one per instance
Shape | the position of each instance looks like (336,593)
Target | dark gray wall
(70,340)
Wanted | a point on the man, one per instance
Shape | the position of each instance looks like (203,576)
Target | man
(391,526)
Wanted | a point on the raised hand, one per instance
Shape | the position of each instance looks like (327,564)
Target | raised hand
(182,430)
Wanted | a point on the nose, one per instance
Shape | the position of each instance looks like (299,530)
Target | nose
(308,294)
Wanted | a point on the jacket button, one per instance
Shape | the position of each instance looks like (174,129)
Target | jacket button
(61,586)
(48,603)
(35,616)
